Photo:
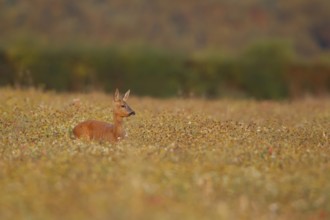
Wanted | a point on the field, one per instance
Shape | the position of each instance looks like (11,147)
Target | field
(183,159)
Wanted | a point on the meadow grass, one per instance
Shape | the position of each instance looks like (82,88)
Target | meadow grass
(183,159)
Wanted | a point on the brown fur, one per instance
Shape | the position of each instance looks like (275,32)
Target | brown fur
(102,131)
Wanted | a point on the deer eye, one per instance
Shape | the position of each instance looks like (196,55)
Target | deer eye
(123,106)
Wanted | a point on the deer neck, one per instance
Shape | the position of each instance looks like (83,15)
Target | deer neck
(118,126)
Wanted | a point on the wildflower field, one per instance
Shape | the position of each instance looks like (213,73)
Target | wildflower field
(182,159)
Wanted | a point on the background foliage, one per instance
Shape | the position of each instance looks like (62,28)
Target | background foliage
(267,70)
(184,25)
(257,48)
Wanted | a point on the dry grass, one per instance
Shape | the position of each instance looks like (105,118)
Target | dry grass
(183,159)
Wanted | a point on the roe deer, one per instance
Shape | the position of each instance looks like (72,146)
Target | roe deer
(102,131)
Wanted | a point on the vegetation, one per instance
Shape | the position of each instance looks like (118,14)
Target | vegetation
(268,70)
(264,49)
(186,25)
(183,159)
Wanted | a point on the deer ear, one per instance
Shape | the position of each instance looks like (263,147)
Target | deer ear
(116,97)
(126,95)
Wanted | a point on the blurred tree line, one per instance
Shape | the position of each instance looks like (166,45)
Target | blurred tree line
(190,47)
(267,70)
(186,25)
